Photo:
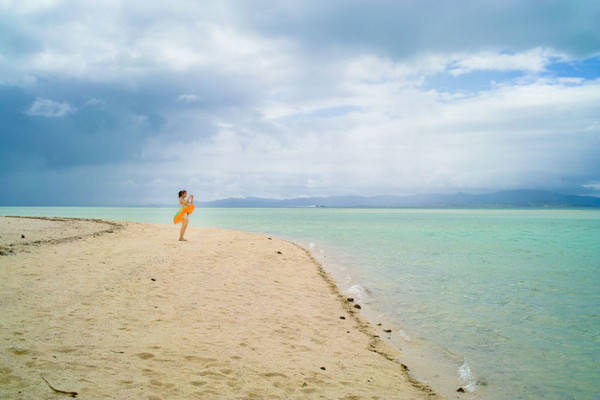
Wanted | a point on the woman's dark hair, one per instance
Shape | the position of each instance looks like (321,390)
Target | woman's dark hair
(181,192)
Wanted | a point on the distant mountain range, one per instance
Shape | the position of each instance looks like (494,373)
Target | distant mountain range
(507,198)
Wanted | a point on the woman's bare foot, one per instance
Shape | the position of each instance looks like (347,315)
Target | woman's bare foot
(183,240)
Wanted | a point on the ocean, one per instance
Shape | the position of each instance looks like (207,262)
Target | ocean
(502,303)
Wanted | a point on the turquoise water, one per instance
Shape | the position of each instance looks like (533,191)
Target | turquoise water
(508,299)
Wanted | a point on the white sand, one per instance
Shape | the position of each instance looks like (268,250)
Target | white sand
(131,313)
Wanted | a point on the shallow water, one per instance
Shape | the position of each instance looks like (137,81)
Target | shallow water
(506,301)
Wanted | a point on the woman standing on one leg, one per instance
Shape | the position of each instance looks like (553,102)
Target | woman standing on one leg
(183,202)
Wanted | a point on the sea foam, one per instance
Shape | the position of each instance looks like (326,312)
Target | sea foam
(358,292)
(466,378)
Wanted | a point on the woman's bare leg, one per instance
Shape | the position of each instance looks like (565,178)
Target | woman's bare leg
(184,225)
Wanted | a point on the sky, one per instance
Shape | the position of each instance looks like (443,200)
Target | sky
(120,102)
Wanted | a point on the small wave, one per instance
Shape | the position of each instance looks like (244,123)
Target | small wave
(404,335)
(358,292)
(466,378)
(311,245)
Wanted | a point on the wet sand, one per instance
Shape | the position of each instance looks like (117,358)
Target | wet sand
(125,311)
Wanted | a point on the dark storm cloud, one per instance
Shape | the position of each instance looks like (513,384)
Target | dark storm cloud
(404,28)
(92,132)
(64,123)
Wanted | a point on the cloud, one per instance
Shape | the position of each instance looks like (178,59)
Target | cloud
(593,188)
(189,98)
(94,103)
(593,185)
(496,139)
(50,109)
(404,29)
(532,61)
(297,98)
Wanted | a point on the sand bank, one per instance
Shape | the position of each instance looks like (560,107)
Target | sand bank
(125,311)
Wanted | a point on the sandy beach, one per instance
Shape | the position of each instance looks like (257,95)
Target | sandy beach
(114,310)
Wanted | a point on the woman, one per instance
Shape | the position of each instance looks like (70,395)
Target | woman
(183,202)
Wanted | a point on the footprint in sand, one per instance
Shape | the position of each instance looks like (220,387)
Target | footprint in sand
(19,351)
(145,356)
(201,359)
(156,382)
(275,375)
(66,350)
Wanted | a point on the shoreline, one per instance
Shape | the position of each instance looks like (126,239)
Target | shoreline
(272,318)
(13,245)
(429,364)
(366,320)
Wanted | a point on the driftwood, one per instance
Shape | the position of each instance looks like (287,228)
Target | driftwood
(71,394)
